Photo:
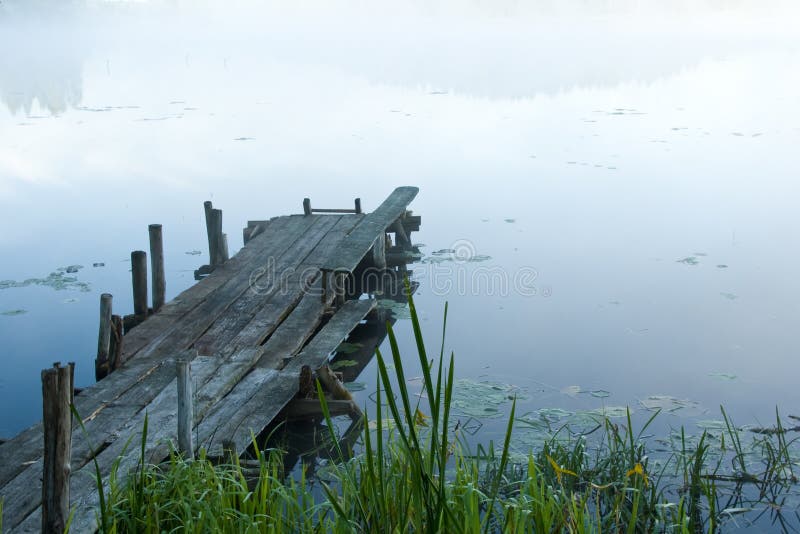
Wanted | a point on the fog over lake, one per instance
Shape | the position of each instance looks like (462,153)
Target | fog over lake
(618,180)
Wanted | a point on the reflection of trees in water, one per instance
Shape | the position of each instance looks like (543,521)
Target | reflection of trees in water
(52,80)
(41,57)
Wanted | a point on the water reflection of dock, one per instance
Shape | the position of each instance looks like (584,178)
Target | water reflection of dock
(247,333)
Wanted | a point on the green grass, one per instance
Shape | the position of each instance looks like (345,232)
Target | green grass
(415,473)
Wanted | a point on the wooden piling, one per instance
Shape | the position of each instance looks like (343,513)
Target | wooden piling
(224,246)
(157,266)
(208,208)
(139,278)
(101,363)
(400,234)
(306,206)
(115,351)
(379,252)
(57,424)
(358,205)
(217,241)
(185,408)
(339,287)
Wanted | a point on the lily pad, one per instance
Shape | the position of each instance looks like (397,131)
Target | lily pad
(722,266)
(510,221)
(57,280)
(355,386)
(398,309)
(341,364)
(193,252)
(571,390)
(348,348)
(482,399)
(553,414)
(11,313)
(611,411)
(712,424)
(667,403)
(723,376)
(600,393)
(729,296)
(689,260)
(70,301)
(478,258)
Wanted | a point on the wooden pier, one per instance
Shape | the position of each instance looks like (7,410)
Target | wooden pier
(281,305)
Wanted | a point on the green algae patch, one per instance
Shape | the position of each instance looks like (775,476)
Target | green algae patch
(58,280)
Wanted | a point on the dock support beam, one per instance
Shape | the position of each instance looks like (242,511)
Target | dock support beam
(306,206)
(379,252)
(217,241)
(139,279)
(157,266)
(102,365)
(57,423)
(185,408)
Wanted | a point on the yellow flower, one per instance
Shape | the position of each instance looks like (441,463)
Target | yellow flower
(638,470)
(420,419)
(558,469)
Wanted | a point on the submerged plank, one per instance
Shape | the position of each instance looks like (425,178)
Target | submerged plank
(337,329)
(251,407)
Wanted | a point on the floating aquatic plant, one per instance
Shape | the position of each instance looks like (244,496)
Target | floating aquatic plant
(11,313)
(57,280)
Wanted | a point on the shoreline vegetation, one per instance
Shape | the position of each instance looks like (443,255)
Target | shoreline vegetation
(414,472)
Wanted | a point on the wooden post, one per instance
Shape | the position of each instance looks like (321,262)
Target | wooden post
(400,234)
(157,266)
(185,408)
(57,423)
(71,367)
(306,206)
(216,253)
(101,364)
(115,352)
(339,282)
(224,247)
(207,207)
(358,205)
(379,252)
(139,277)
(325,283)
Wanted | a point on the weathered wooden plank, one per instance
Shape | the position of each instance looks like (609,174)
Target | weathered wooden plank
(235,282)
(133,385)
(215,376)
(247,411)
(267,319)
(100,429)
(236,418)
(292,334)
(254,228)
(356,245)
(160,326)
(277,278)
(341,324)
(19,451)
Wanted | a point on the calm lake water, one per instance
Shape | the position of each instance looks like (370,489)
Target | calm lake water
(624,177)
